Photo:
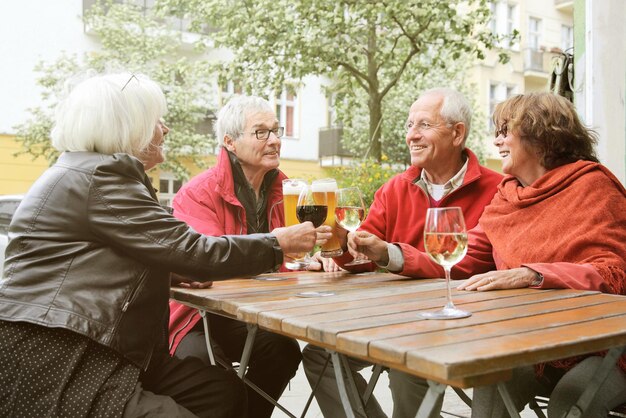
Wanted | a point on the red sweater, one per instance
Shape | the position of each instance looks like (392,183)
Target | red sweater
(209,205)
(398,212)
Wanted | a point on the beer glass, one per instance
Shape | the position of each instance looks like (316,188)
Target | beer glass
(291,191)
(332,248)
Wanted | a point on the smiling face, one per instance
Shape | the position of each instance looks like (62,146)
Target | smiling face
(434,145)
(257,157)
(153,155)
(517,159)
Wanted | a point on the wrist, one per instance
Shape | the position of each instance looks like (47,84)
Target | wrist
(538,279)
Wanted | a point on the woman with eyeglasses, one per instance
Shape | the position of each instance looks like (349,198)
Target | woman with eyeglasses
(557,221)
(84,298)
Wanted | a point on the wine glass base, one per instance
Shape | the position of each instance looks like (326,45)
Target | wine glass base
(331,253)
(445,313)
(296,265)
(357,262)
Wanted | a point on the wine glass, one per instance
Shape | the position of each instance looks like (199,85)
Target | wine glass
(312,207)
(349,213)
(445,240)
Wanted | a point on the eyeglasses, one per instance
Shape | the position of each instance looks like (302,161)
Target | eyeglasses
(422,126)
(504,130)
(264,134)
(129,80)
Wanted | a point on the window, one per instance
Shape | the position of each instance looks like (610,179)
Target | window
(567,37)
(286,112)
(498,92)
(504,19)
(534,33)
(168,187)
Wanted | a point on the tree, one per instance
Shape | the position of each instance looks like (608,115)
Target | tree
(134,39)
(364,47)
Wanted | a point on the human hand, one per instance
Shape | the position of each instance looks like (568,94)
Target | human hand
(362,244)
(299,238)
(188,283)
(500,279)
(322,263)
(324,233)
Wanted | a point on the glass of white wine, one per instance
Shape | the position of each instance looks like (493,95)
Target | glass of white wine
(349,213)
(445,240)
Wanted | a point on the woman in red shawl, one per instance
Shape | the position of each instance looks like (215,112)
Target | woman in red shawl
(558,220)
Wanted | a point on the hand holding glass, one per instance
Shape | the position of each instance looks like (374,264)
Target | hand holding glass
(291,192)
(349,213)
(327,187)
(445,240)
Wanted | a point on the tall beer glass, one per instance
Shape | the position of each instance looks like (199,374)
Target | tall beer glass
(332,248)
(291,191)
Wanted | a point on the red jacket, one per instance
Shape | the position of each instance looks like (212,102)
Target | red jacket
(398,212)
(209,205)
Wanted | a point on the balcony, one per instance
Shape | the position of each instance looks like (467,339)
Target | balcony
(566,6)
(536,64)
(331,150)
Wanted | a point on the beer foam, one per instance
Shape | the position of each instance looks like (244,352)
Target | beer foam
(327,185)
(293,187)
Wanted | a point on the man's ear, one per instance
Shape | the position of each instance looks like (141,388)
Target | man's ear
(229,143)
(459,133)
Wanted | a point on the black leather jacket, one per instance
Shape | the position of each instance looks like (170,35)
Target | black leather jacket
(91,251)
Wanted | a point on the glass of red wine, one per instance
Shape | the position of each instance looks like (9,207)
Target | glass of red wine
(312,207)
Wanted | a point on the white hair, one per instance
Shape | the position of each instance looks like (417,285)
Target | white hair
(455,107)
(231,119)
(108,114)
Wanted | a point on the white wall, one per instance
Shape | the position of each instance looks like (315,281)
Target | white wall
(31,31)
(601,80)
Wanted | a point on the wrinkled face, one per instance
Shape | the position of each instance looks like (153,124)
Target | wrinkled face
(517,159)
(428,137)
(255,155)
(154,154)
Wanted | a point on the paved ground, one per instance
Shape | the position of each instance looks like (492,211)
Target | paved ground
(295,397)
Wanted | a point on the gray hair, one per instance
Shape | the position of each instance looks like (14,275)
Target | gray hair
(231,118)
(109,113)
(455,107)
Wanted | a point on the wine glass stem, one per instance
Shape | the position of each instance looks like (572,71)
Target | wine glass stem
(449,303)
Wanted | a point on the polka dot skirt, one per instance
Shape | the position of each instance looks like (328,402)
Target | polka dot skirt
(53,372)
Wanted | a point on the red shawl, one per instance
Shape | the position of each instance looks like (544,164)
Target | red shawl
(574,213)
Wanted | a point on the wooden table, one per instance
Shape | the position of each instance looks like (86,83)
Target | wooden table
(373,317)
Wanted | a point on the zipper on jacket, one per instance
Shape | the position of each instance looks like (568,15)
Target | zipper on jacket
(179,330)
(135,291)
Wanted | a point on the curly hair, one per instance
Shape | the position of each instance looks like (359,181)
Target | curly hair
(548,125)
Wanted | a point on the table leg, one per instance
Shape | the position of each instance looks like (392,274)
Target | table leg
(343,391)
(508,402)
(433,396)
(207,336)
(596,381)
(247,349)
(376,371)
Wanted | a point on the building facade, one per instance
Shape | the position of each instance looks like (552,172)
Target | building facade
(312,142)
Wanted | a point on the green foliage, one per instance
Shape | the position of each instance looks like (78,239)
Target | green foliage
(366,49)
(368,176)
(136,40)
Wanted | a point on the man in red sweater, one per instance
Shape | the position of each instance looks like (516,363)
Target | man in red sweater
(443,173)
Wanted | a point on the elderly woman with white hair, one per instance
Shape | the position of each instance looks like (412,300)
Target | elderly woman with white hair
(84,298)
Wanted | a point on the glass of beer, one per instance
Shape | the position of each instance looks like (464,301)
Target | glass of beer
(332,248)
(291,191)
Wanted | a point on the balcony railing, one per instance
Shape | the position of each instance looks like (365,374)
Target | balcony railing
(534,60)
(331,150)
(330,143)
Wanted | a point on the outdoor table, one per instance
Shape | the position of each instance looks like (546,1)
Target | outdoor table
(373,317)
